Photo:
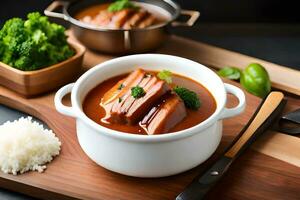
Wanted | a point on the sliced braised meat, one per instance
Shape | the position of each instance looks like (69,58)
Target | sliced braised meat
(155,89)
(102,19)
(87,19)
(148,21)
(126,18)
(122,86)
(121,107)
(120,17)
(161,118)
(116,94)
(135,19)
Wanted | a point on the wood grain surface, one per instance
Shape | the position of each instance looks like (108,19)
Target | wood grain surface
(74,175)
(271,103)
(217,58)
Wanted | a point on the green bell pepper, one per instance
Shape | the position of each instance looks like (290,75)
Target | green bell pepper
(255,79)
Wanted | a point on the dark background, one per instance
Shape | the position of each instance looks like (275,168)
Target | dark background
(267,29)
(271,11)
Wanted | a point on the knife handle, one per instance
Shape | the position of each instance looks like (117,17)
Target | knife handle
(270,104)
(264,117)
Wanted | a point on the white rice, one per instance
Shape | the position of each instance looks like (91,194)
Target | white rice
(26,146)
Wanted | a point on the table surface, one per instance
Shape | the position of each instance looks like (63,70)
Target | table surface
(275,43)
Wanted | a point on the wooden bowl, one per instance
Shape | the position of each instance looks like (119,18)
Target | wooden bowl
(31,83)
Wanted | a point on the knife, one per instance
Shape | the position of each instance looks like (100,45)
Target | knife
(290,123)
(264,117)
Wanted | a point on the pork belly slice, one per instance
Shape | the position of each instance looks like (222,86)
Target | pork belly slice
(165,115)
(103,18)
(121,107)
(147,21)
(119,92)
(123,86)
(155,89)
(120,17)
(135,19)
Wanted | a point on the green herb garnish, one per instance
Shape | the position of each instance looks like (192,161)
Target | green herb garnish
(33,43)
(165,75)
(137,92)
(232,73)
(190,98)
(121,86)
(120,99)
(120,5)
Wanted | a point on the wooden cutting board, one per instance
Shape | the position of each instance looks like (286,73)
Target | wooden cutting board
(73,175)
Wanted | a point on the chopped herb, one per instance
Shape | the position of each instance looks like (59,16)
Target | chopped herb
(120,99)
(137,92)
(190,98)
(121,86)
(120,5)
(165,75)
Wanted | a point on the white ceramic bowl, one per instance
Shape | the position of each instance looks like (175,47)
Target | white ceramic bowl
(149,155)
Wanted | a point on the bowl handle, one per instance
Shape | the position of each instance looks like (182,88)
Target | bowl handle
(193,16)
(230,112)
(53,6)
(60,107)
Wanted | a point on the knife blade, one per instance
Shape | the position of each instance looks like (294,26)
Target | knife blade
(264,117)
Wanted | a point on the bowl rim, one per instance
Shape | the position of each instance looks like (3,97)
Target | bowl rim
(77,22)
(79,114)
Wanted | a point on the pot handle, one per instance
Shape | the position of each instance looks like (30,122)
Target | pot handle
(193,16)
(53,6)
(230,112)
(60,107)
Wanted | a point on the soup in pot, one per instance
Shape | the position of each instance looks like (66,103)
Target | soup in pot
(148,102)
(131,16)
(136,15)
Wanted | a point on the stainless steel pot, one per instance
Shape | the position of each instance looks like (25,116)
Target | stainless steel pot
(120,41)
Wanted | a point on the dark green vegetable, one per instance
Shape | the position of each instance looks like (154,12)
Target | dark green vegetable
(121,86)
(34,43)
(230,72)
(255,79)
(120,5)
(120,99)
(190,98)
(137,92)
(165,75)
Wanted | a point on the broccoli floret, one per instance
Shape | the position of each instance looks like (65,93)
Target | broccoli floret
(12,36)
(2,48)
(137,92)
(34,43)
(23,61)
(190,98)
